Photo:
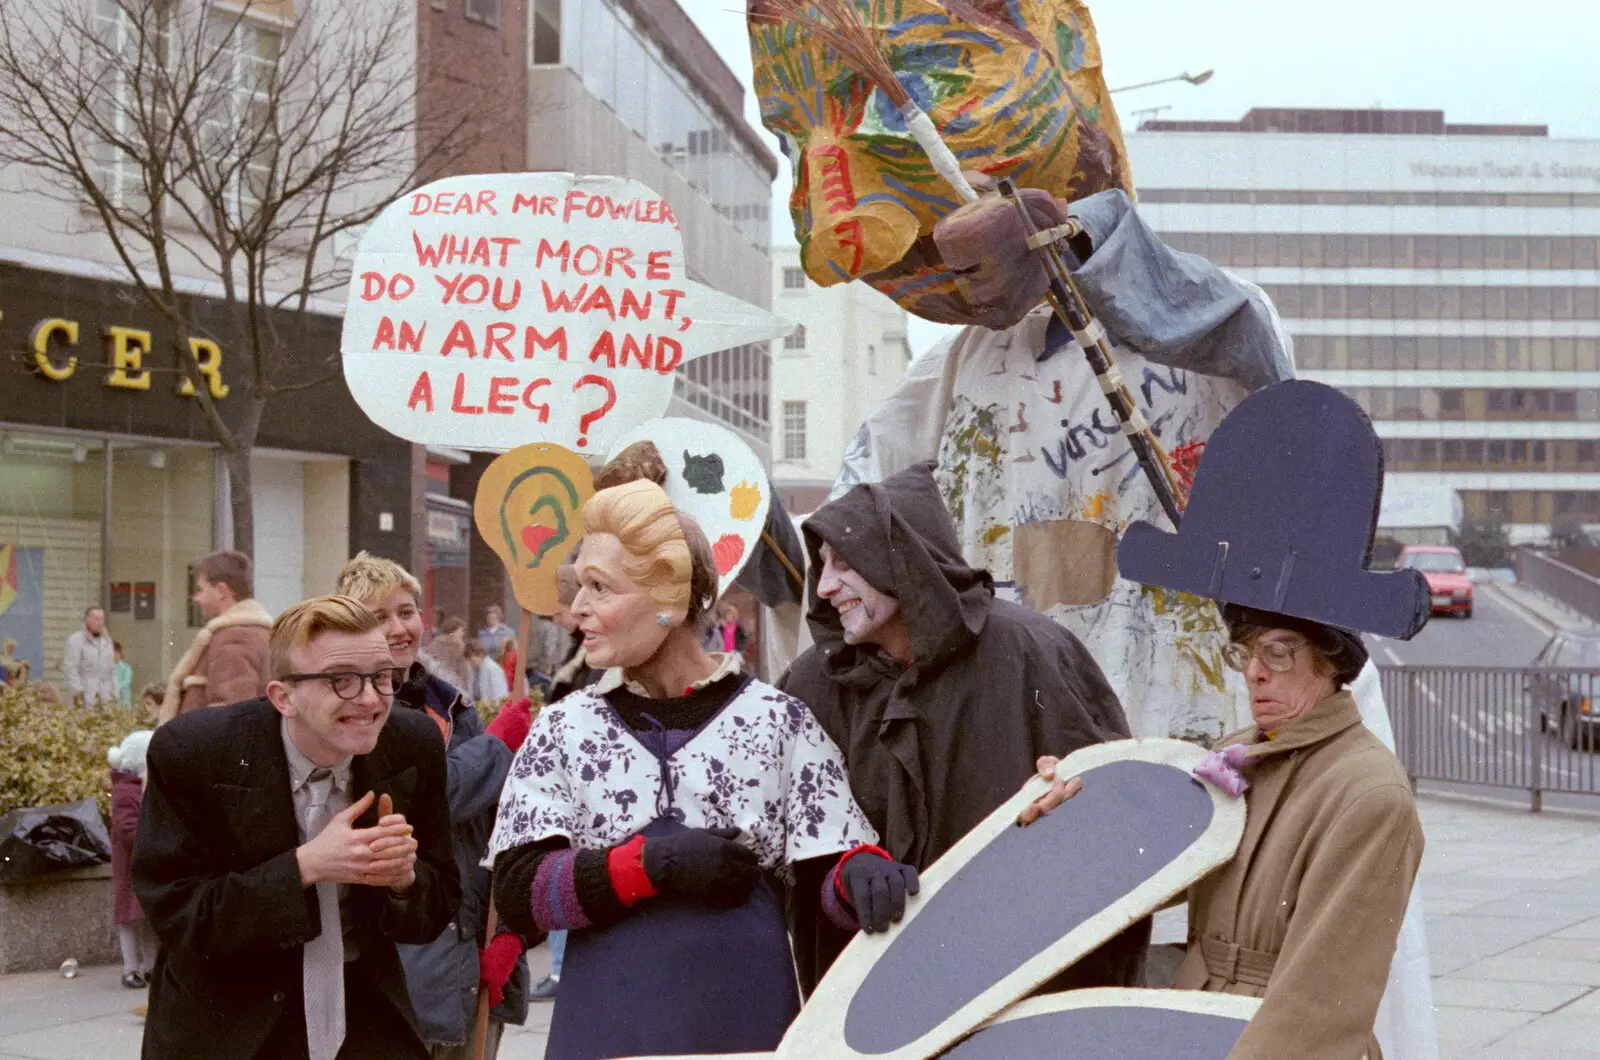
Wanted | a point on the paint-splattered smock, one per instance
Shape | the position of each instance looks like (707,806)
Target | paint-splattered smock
(1041,482)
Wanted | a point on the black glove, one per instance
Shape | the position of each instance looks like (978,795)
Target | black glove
(704,864)
(877,888)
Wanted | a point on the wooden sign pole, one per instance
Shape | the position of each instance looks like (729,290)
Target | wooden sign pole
(519,680)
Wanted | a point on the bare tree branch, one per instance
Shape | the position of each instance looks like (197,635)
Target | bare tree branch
(219,144)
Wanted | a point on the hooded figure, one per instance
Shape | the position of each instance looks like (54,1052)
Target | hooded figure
(934,747)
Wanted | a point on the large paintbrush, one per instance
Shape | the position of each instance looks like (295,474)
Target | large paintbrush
(840,25)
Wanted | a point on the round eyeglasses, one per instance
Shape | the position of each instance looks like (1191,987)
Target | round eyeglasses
(346,684)
(1275,655)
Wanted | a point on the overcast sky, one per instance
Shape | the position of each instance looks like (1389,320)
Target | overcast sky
(1531,61)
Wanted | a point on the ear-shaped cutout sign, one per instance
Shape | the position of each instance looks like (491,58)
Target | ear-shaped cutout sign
(715,477)
(1111,1024)
(530,509)
(1006,908)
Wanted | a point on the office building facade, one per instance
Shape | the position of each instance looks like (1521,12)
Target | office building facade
(111,483)
(847,355)
(1445,275)
(628,88)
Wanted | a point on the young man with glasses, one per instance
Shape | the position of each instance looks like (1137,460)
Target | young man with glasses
(286,845)
(444,975)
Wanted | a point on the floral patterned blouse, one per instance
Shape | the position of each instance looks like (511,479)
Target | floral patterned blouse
(763,764)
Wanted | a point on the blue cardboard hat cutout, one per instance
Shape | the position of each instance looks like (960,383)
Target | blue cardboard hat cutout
(1281,518)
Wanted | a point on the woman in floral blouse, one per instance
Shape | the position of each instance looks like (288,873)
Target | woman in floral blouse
(656,814)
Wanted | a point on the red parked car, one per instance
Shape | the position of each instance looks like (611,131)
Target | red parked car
(1448,582)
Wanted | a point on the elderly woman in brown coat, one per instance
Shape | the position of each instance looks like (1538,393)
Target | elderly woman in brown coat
(1306,915)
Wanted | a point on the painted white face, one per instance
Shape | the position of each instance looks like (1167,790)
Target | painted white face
(863,610)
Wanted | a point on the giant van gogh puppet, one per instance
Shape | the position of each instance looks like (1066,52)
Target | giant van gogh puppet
(1032,461)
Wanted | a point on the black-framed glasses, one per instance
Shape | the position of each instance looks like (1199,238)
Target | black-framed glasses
(1275,655)
(346,684)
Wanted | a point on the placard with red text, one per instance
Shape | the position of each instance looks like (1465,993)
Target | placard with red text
(488,312)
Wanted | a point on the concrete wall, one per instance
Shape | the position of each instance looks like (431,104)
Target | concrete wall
(64,915)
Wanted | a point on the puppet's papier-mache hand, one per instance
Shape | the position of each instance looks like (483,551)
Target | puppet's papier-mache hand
(1003,279)
(1060,791)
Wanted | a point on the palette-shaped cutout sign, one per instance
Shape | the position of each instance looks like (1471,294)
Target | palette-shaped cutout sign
(1103,1023)
(1141,831)
(717,479)
(1108,1023)
(491,311)
(529,508)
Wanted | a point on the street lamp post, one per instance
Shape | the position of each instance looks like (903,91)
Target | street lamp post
(1193,79)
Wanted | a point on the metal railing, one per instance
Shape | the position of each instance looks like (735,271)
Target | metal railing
(1533,728)
(1541,571)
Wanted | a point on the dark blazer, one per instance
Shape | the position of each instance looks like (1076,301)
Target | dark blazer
(214,868)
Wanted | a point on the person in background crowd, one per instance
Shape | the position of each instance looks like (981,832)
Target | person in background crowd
(725,634)
(124,672)
(89,665)
(137,941)
(285,846)
(444,974)
(150,699)
(495,631)
(12,669)
(507,659)
(488,680)
(227,663)
(446,654)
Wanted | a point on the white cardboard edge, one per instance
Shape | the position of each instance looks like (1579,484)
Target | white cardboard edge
(1230,1006)
(819,1029)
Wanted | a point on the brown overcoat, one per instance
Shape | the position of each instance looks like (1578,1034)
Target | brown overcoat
(1307,913)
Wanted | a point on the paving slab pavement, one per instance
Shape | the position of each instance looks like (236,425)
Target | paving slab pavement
(1513,915)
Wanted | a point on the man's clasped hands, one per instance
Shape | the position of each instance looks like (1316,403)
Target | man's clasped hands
(384,855)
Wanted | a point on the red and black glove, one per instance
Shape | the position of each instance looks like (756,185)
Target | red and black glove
(511,725)
(496,962)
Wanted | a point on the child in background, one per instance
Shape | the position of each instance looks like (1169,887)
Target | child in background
(124,673)
(151,698)
(127,792)
(488,680)
(508,661)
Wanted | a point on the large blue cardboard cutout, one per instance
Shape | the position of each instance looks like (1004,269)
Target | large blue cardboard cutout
(1281,518)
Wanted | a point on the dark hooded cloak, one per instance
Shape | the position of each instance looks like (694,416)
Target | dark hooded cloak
(934,748)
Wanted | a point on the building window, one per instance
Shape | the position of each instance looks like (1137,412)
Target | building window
(794,430)
(123,34)
(485,11)
(796,339)
(544,44)
(245,63)
(794,279)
